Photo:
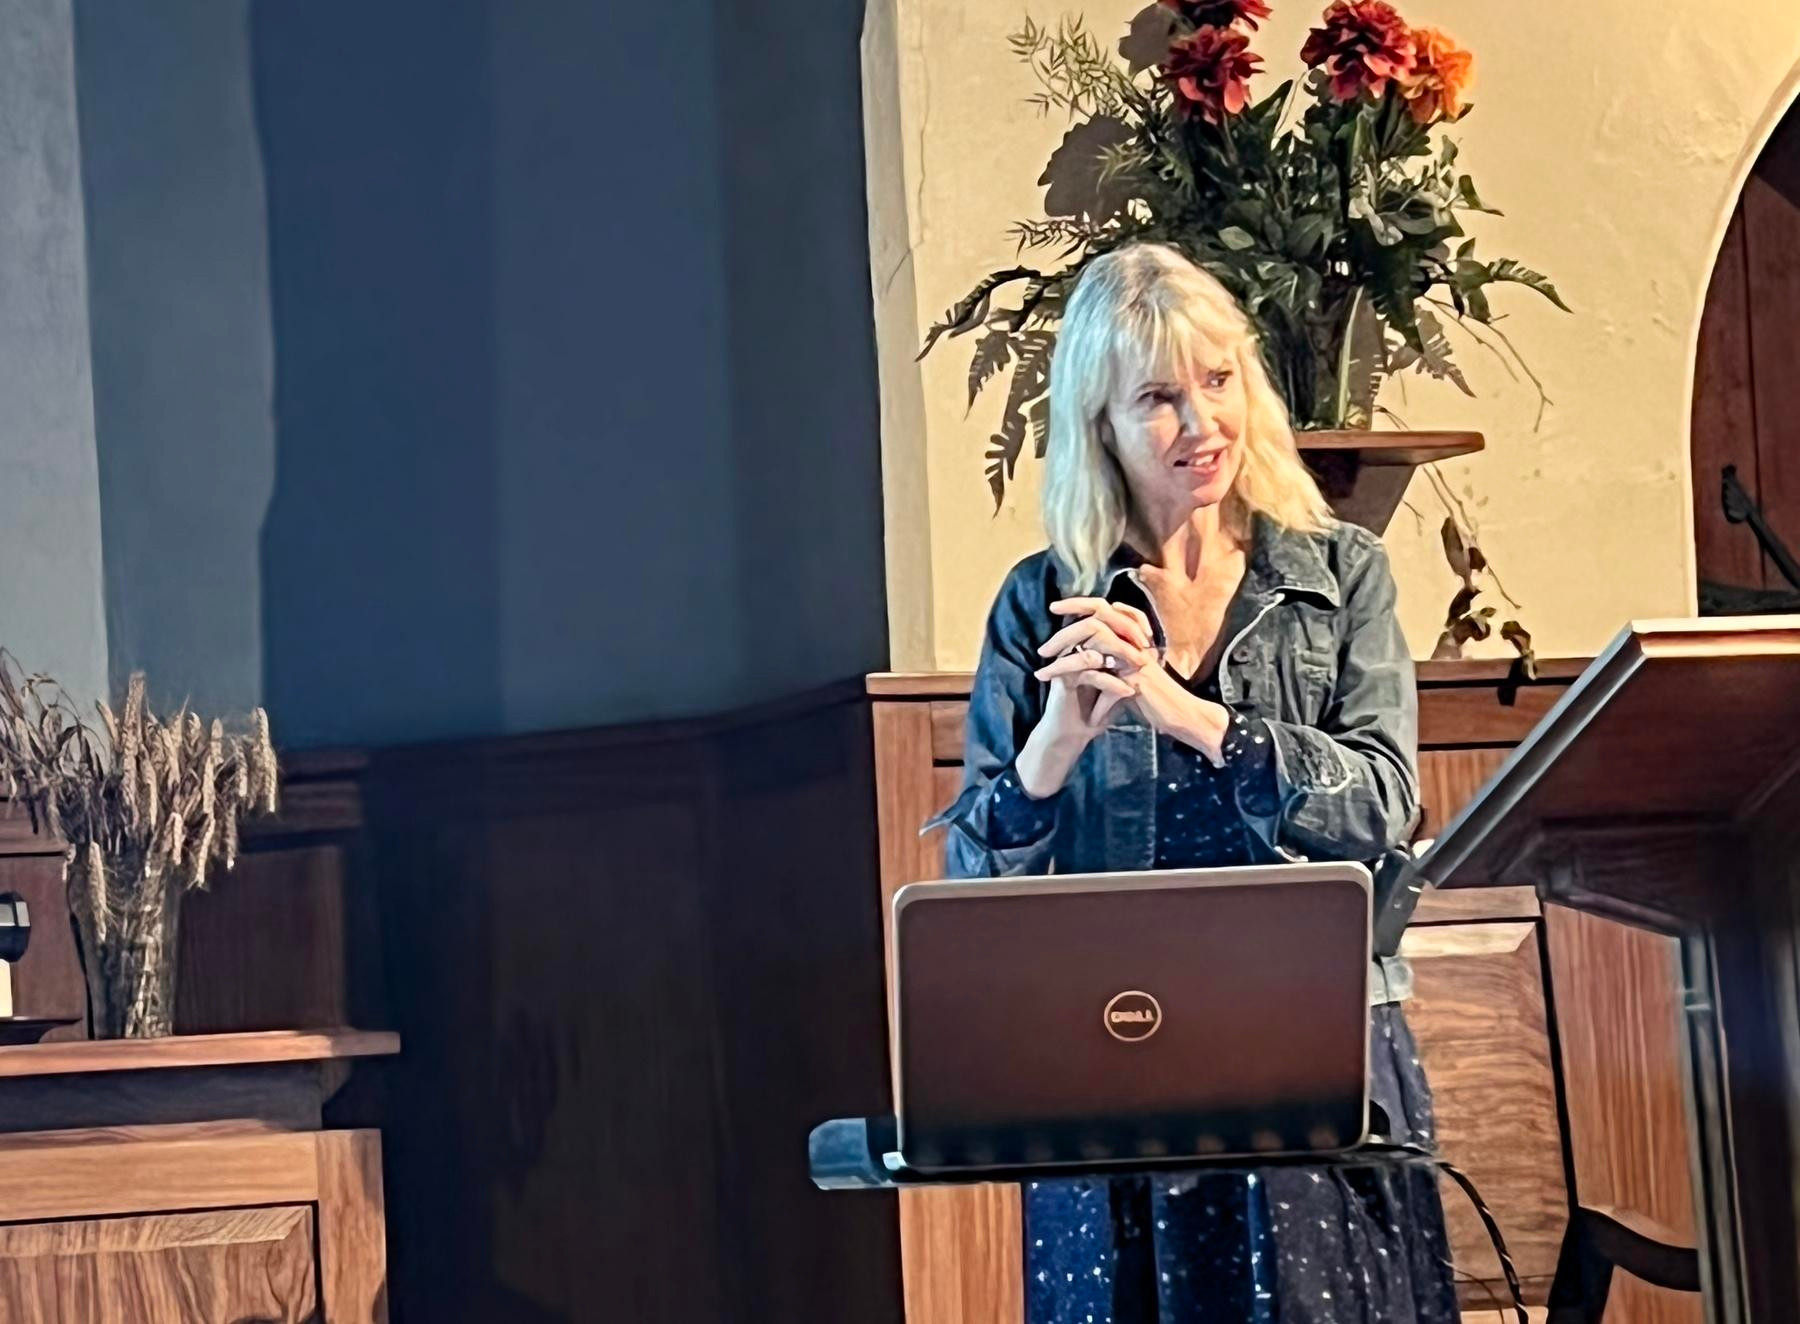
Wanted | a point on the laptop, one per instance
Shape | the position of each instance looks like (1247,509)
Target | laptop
(1130,1018)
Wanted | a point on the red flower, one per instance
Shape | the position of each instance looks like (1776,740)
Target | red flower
(1220,13)
(1210,70)
(1362,46)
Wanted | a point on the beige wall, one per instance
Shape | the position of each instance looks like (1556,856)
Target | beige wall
(1614,135)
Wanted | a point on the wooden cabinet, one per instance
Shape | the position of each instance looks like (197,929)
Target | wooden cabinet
(188,1181)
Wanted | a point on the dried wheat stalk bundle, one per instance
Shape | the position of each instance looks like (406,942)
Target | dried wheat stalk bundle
(145,804)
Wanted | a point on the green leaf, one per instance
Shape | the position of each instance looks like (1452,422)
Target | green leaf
(1384,231)
(1434,357)
(1508,270)
(1030,382)
(971,310)
(1456,552)
(1420,224)
(992,353)
(1520,638)
(1236,238)
(1311,235)
(1465,189)
(1039,419)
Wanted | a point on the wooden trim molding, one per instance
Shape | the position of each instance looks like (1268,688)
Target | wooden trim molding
(1553,672)
(149,1176)
(186,1051)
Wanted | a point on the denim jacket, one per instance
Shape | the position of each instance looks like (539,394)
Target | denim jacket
(1314,656)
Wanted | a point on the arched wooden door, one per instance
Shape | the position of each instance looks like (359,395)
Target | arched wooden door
(1747,388)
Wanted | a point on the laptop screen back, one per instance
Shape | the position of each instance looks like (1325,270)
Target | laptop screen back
(1127,1016)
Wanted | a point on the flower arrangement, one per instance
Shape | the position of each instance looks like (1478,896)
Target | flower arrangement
(145,806)
(1329,207)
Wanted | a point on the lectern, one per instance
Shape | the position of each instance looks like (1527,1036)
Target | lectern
(1663,790)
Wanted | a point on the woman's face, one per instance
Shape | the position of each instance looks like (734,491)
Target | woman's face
(1178,432)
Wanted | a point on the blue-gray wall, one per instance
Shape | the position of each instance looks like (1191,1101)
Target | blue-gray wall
(380,556)
(573,391)
(616,506)
(51,594)
(178,303)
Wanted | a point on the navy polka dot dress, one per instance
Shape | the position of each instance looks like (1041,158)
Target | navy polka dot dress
(1331,1245)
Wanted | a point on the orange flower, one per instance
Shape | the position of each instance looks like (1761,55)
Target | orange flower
(1439,79)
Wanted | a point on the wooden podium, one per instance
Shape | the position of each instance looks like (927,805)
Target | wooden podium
(1663,791)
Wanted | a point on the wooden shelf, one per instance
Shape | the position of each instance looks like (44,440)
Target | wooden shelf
(186,1051)
(1365,474)
(1409,448)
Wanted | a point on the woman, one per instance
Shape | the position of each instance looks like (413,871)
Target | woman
(1203,669)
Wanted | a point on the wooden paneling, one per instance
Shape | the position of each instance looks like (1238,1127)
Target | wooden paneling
(221,1267)
(962,1248)
(1449,779)
(264,946)
(964,1255)
(907,793)
(948,717)
(797,975)
(1628,1122)
(1478,1013)
(1485,714)
(631,970)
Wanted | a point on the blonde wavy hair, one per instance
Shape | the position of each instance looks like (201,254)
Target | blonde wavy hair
(1145,307)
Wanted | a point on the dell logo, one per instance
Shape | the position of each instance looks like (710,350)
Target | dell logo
(1132,1016)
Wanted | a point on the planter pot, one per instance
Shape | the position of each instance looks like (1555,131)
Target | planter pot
(1365,474)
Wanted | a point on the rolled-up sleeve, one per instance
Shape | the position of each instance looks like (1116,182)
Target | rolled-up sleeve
(995,830)
(1346,788)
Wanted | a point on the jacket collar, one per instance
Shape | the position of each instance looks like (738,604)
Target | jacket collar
(1282,561)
